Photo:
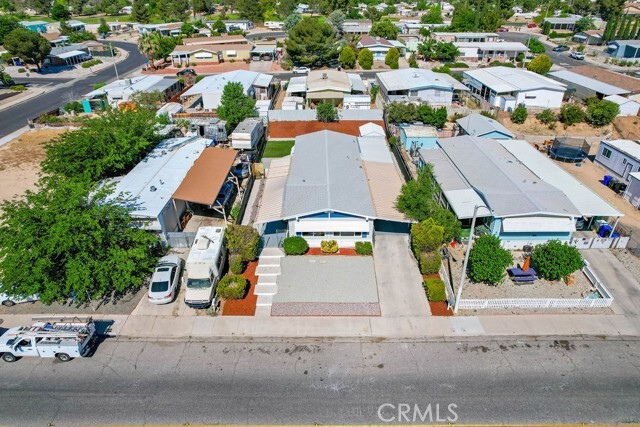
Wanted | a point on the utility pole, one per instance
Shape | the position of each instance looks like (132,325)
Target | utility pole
(115,67)
(466,256)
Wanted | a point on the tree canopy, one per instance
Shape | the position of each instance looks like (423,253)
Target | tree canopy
(365,59)
(385,29)
(140,12)
(104,147)
(347,57)
(602,112)
(67,239)
(8,23)
(326,112)
(434,16)
(311,43)
(488,260)
(235,106)
(28,45)
(392,57)
(554,260)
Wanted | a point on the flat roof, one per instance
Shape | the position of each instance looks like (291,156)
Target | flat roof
(322,80)
(135,84)
(217,82)
(414,78)
(620,100)
(626,146)
(508,186)
(479,125)
(593,84)
(515,46)
(71,54)
(419,131)
(505,79)
(620,80)
(586,200)
(205,178)
(148,187)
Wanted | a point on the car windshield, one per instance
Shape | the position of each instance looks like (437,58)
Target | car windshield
(198,283)
(159,286)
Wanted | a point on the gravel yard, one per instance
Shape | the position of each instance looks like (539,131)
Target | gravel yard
(508,289)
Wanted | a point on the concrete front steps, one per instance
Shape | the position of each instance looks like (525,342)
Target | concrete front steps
(267,271)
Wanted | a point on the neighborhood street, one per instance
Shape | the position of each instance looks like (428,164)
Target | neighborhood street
(14,118)
(487,382)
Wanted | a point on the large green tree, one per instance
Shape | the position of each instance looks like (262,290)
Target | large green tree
(365,59)
(583,24)
(384,28)
(488,260)
(250,9)
(392,57)
(28,45)
(59,11)
(8,23)
(554,260)
(104,147)
(347,57)
(286,7)
(67,239)
(336,20)
(608,8)
(434,16)
(311,43)
(235,106)
(140,12)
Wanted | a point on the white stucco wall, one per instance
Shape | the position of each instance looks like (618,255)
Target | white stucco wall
(331,226)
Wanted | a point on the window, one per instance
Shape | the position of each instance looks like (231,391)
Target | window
(530,97)
(606,152)
(313,234)
(624,161)
(347,234)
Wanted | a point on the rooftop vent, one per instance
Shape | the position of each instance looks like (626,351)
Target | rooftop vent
(324,76)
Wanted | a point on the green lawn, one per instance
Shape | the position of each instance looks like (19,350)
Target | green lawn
(275,149)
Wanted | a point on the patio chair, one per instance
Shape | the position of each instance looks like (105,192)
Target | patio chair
(521,276)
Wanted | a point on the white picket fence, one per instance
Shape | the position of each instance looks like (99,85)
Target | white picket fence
(605,300)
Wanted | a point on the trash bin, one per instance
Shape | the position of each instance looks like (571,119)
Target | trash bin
(604,230)
(606,180)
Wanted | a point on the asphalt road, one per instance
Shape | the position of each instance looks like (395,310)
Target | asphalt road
(558,58)
(352,383)
(14,118)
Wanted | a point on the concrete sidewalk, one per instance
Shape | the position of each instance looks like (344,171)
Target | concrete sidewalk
(368,329)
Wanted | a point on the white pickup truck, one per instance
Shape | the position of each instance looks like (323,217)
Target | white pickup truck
(60,337)
(204,267)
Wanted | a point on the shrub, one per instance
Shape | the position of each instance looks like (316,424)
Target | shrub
(393,140)
(571,114)
(295,245)
(22,70)
(547,117)
(426,236)
(232,287)
(348,57)
(392,57)
(488,260)
(99,85)
(429,262)
(326,112)
(435,290)
(91,63)
(374,93)
(18,88)
(502,64)
(235,212)
(198,78)
(365,59)
(179,65)
(74,106)
(364,248)
(242,240)
(329,246)
(602,113)
(541,64)
(236,264)
(413,63)
(554,260)
(519,114)
(457,64)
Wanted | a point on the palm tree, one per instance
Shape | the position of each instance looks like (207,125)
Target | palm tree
(352,41)
(149,45)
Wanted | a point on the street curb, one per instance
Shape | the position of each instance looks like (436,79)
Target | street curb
(559,339)
(28,98)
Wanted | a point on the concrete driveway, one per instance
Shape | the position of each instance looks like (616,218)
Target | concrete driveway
(399,280)
(176,308)
(620,282)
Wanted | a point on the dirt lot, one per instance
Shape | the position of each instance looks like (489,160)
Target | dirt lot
(20,162)
(626,128)
(533,127)
(293,129)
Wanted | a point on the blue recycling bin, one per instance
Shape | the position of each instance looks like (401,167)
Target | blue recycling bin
(604,230)
(607,179)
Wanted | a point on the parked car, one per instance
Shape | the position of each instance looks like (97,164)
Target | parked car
(531,25)
(561,48)
(503,30)
(577,55)
(242,170)
(301,70)
(185,71)
(165,279)
(227,191)
(10,301)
